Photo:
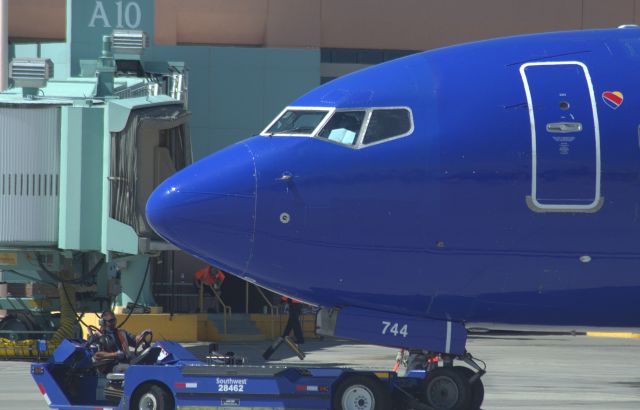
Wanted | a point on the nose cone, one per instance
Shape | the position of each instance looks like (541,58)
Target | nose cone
(208,208)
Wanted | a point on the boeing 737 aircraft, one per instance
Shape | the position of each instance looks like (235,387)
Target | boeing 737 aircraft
(493,184)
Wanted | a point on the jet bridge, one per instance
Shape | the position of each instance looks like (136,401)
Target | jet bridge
(78,159)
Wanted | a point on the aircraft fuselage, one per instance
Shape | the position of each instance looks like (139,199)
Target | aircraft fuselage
(513,198)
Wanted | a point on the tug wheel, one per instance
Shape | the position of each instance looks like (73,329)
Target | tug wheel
(447,389)
(356,392)
(151,397)
(477,387)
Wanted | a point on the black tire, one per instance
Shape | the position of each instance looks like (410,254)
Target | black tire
(477,387)
(357,392)
(446,389)
(151,397)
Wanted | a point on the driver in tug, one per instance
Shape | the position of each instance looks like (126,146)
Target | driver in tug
(114,343)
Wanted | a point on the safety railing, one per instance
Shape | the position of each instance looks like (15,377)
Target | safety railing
(226,310)
(275,313)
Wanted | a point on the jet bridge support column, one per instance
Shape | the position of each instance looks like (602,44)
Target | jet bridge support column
(3,294)
(4,44)
(67,294)
(135,280)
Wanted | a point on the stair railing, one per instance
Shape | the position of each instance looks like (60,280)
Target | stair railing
(226,310)
(275,314)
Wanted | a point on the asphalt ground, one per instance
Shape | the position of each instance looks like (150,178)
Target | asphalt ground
(524,371)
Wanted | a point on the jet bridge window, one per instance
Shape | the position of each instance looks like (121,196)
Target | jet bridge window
(344,127)
(388,123)
(297,122)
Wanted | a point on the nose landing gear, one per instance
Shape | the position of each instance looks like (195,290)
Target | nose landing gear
(447,386)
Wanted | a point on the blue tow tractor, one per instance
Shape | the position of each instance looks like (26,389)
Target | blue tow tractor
(164,375)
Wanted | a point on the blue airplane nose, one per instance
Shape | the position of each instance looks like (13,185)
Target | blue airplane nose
(208,208)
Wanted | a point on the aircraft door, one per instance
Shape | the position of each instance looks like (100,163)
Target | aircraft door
(565,137)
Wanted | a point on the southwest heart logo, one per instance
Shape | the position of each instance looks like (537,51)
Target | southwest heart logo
(613,99)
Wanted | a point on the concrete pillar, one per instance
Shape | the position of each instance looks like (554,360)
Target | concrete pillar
(131,276)
(4,44)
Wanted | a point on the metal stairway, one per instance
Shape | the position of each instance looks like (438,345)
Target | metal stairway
(240,327)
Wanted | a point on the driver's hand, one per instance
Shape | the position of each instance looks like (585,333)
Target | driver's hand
(103,355)
(141,336)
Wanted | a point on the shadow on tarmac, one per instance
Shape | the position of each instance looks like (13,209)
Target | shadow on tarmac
(252,351)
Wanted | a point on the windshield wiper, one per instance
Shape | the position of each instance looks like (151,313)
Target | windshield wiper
(292,130)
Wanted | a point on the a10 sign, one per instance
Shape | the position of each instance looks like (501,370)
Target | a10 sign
(127,15)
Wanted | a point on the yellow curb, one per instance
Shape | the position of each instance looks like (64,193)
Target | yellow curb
(621,335)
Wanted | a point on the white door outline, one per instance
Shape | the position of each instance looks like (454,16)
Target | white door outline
(537,206)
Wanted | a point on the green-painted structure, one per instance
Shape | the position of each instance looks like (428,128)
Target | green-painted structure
(232,93)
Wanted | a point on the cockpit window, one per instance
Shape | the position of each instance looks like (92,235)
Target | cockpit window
(297,122)
(352,127)
(344,127)
(387,123)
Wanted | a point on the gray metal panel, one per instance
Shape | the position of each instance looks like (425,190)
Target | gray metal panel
(233,371)
(29,174)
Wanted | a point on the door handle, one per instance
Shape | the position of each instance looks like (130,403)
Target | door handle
(564,127)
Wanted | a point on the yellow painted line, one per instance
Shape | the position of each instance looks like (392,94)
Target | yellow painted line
(620,335)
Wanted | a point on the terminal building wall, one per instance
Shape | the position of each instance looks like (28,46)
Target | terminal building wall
(368,24)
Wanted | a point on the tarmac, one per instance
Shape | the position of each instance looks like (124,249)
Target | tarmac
(524,372)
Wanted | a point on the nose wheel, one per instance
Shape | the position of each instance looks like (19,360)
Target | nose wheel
(446,388)
(477,387)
